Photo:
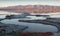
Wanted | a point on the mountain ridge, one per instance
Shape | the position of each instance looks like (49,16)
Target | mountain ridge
(32,8)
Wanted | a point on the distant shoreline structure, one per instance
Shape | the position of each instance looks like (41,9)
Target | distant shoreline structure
(14,13)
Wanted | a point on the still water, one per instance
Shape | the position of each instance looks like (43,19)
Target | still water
(4,13)
(33,27)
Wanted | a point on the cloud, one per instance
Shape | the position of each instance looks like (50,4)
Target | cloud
(5,3)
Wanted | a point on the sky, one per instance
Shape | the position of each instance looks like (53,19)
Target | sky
(6,3)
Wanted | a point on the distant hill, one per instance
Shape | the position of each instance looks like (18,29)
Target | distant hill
(32,8)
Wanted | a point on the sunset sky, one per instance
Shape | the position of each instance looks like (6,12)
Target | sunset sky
(5,3)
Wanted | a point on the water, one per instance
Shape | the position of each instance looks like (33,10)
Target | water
(26,24)
(4,13)
(2,16)
(33,27)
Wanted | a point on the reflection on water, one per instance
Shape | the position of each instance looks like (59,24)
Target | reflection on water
(4,13)
(22,23)
(2,16)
